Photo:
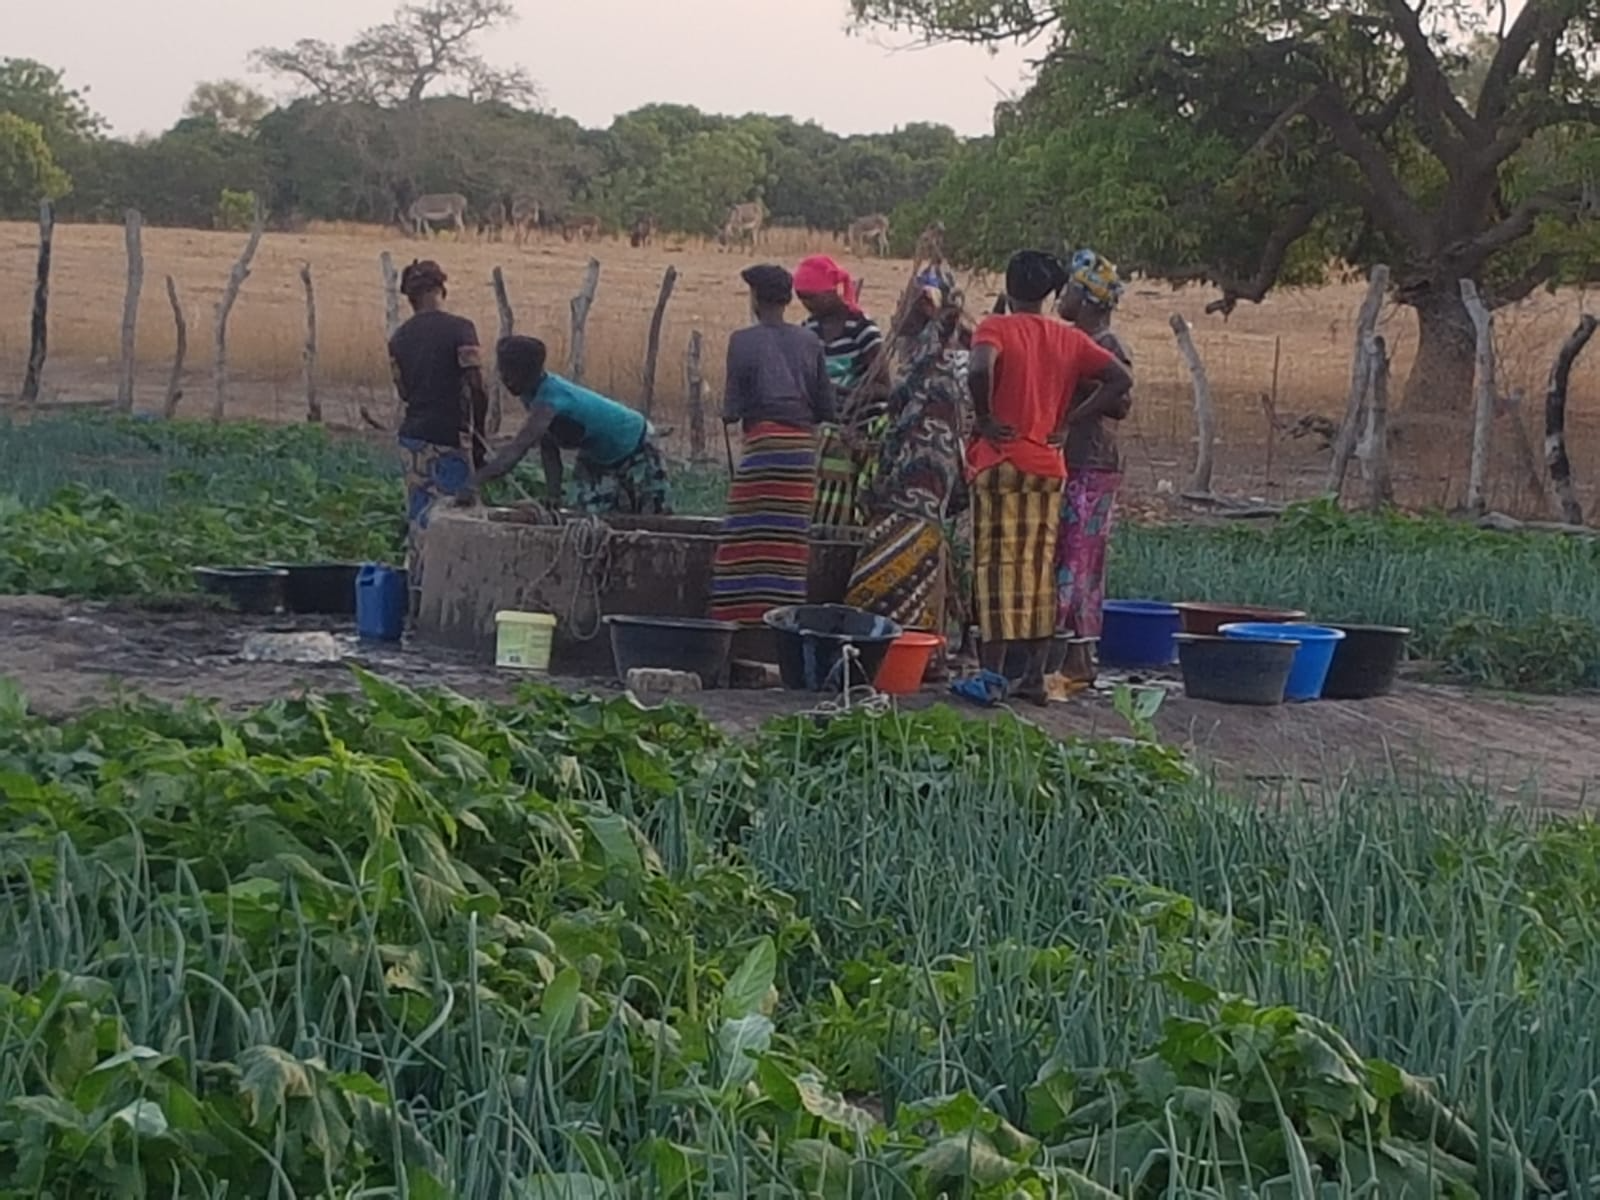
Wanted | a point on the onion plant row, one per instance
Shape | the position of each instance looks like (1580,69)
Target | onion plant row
(404,944)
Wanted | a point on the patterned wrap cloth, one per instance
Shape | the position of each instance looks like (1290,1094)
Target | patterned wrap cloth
(905,567)
(637,485)
(432,473)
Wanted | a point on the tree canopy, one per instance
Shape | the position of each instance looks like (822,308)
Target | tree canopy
(1254,144)
(28,171)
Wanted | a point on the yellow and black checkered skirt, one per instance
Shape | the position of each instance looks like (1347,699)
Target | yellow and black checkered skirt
(1015,521)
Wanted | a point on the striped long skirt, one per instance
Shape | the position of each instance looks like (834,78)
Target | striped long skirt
(765,553)
(1016,518)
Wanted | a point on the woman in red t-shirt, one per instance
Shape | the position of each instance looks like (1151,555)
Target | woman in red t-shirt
(1026,368)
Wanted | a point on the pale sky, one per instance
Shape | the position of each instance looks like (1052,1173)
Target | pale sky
(593,58)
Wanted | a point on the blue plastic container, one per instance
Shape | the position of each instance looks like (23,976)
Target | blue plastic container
(1311,661)
(1138,633)
(383,598)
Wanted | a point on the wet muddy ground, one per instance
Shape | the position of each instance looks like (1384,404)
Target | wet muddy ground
(68,656)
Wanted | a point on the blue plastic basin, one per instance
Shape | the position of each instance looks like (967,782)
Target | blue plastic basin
(1311,661)
(1138,633)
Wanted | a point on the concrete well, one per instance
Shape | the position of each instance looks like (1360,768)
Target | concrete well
(482,561)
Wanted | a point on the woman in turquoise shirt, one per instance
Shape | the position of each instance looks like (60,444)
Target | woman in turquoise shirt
(618,469)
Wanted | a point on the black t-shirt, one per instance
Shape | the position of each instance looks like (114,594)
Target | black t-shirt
(430,355)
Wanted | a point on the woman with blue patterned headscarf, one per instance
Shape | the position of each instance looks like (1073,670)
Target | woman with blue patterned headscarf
(1094,466)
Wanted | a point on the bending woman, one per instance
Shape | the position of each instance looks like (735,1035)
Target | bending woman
(437,368)
(1094,466)
(777,388)
(904,566)
(852,344)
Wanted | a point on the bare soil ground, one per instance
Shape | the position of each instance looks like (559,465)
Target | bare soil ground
(68,656)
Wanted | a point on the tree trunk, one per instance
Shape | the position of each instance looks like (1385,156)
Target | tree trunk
(1441,376)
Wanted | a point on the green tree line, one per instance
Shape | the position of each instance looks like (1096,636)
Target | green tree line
(355,159)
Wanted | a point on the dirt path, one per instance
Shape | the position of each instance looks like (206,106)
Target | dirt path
(69,656)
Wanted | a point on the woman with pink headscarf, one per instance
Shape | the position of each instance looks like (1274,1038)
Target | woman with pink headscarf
(852,343)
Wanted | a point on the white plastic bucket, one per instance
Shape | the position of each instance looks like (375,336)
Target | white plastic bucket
(522,640)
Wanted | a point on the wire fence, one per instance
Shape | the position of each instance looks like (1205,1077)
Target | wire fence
(1279,371)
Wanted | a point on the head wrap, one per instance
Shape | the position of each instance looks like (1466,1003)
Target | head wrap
(421,277)
(1098,278)
(1034,275)
(819,273)
(769,283)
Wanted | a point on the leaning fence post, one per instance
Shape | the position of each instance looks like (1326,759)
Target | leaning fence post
(1484,389)
(581,304)
(652,350)
(39,329)
(1360,378)
(1555,420)
(1375,443)
(508,325)
(1204,416)
(695,388)
(180,350)
(309,363)
(391,294)
(132,225)
(236,278)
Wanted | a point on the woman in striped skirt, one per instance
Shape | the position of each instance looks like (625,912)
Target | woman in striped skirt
(778,391)
(1024,377)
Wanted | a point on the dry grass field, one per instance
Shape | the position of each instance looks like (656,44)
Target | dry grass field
(1296,346)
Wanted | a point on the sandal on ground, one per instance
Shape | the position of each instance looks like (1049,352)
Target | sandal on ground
(985,689)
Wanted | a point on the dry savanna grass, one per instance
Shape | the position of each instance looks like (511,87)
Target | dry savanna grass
(1296,346)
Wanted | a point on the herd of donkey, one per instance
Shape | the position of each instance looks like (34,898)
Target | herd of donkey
(524,216)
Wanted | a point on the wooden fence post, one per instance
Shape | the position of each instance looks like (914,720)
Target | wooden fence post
(1360,378)
(581,304)
(508,325)
(236,278)
(1484,391)
(1375,442)
(652,350)
(180,350)
(39,328)
(695,389)
(309,363)
(132,225)
(391,294)
(1555,420)
(1204,416)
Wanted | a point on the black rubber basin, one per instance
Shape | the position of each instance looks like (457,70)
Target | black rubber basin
(1366,663)
(673,644)
(812,639)
(255,590)
(327,589)
(1234,670)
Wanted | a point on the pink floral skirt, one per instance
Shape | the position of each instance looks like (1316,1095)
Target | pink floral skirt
(1088,511)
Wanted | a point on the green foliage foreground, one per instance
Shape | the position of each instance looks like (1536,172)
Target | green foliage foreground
(411,945)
